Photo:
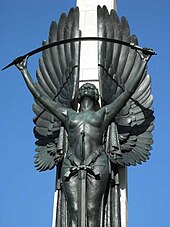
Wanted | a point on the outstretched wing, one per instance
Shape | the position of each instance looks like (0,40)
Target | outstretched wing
(131,136)
(57,78)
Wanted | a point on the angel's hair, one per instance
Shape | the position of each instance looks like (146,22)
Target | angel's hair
(92,86)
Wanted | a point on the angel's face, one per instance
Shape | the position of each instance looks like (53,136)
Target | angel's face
(88,90)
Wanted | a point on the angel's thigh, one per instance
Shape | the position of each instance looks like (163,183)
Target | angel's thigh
(71,193)
(96,189)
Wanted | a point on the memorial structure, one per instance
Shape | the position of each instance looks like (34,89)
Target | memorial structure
(94,116)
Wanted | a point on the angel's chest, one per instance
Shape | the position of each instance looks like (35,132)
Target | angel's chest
(85,118)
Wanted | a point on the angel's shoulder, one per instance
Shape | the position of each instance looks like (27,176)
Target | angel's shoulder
(70,112)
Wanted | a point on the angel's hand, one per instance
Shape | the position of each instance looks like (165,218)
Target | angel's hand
(23,64)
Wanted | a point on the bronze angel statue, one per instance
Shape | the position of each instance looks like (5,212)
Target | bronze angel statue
(85,140)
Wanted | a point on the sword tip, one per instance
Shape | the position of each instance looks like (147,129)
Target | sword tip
(5,67)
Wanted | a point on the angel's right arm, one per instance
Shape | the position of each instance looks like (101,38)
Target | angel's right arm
(59,111)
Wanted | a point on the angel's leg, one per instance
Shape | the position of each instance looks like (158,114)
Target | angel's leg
(70,188)
(95,191)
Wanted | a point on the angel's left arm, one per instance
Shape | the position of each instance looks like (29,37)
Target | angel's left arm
(59,111)
(131,85)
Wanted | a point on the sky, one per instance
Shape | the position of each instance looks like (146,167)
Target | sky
(26,196)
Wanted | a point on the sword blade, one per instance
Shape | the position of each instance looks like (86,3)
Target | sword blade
(146,51)
(82,175)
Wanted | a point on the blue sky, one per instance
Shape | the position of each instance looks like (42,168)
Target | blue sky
(26,196)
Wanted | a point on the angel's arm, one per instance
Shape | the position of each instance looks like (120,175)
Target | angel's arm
(130,86)
(56,109)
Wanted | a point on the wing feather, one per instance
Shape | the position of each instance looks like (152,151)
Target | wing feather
(42,83)
(60,36)
(129,65)
(68,34)
(49,70)
(55,54)
(45,79)
(117,35)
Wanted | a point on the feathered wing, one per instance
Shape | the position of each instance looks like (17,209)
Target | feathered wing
(130,135)
(57,78)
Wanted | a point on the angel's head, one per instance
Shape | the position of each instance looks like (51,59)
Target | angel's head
(88,90)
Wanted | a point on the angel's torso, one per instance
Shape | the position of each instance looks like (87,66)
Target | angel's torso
(88,126)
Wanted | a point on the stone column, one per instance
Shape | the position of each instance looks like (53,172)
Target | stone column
(88,26)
